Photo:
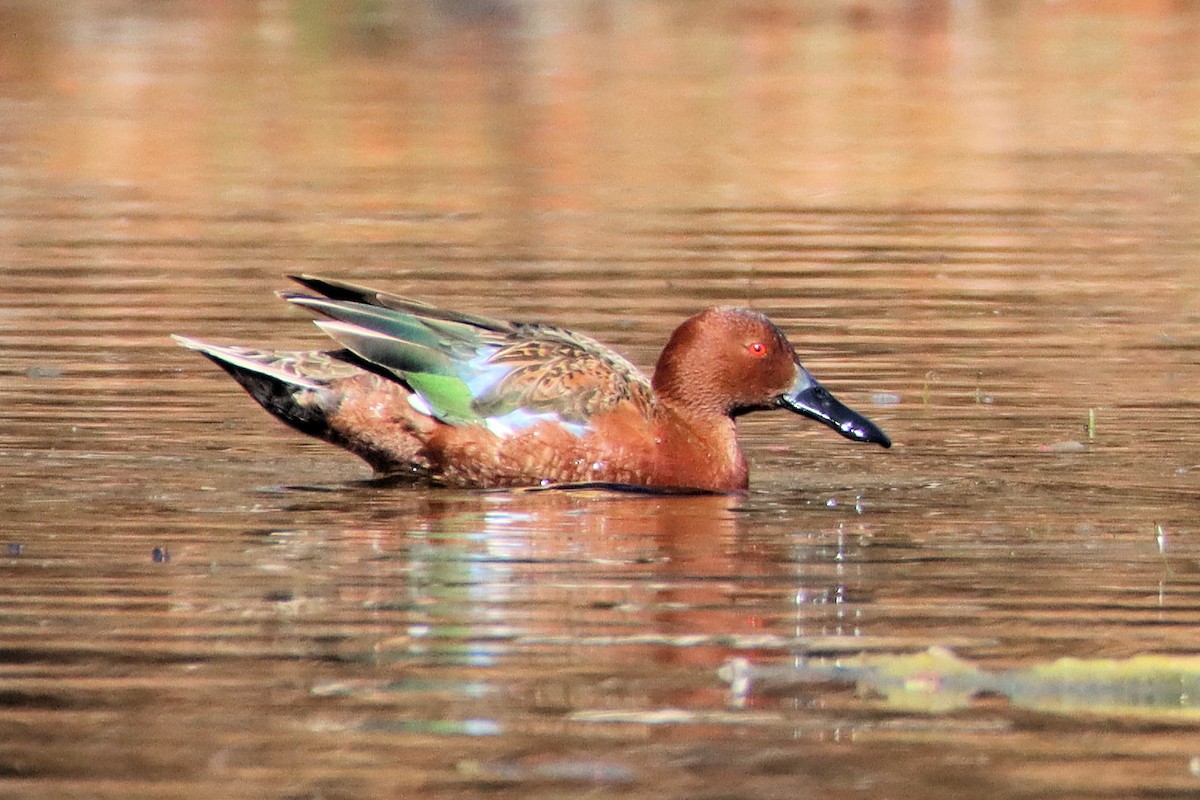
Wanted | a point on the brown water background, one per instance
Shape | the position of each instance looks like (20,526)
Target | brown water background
(978,221)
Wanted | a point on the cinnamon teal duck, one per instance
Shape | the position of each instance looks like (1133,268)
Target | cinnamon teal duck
(458,399)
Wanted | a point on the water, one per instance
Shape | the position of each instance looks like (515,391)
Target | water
(978,225)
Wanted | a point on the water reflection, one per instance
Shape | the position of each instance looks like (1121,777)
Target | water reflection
(472,597)
(476,565)
(478,579)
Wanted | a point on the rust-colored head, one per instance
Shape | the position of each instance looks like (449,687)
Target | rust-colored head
(729,361)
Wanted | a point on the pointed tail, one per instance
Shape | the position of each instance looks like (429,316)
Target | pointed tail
(290,385)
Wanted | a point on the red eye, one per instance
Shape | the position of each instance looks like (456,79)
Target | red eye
(757,349)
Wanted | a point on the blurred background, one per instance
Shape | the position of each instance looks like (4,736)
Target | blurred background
(979,222)
(355,113)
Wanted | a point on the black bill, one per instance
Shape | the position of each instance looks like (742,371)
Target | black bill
(810,399)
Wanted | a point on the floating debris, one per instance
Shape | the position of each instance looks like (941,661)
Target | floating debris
(578,770)
(43,371)
(1063,447)
(937,680)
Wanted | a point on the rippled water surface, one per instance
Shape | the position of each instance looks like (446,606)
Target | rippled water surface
(978,222)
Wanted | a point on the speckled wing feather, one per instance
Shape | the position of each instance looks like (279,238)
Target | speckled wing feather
(475,370)
(553,370)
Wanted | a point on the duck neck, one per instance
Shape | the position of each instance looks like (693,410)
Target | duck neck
(700,449)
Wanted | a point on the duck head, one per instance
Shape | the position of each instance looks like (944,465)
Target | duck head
(731,361)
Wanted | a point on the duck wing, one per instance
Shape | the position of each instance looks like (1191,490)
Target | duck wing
(467,369)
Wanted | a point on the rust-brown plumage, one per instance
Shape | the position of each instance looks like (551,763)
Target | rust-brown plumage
(465,400)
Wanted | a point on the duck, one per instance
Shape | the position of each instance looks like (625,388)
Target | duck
(457,399)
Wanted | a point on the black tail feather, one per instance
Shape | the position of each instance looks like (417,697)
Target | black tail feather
(295,405)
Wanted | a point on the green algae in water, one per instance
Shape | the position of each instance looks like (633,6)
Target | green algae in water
(937,680)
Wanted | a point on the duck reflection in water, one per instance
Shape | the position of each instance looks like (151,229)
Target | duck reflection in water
(639,578)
